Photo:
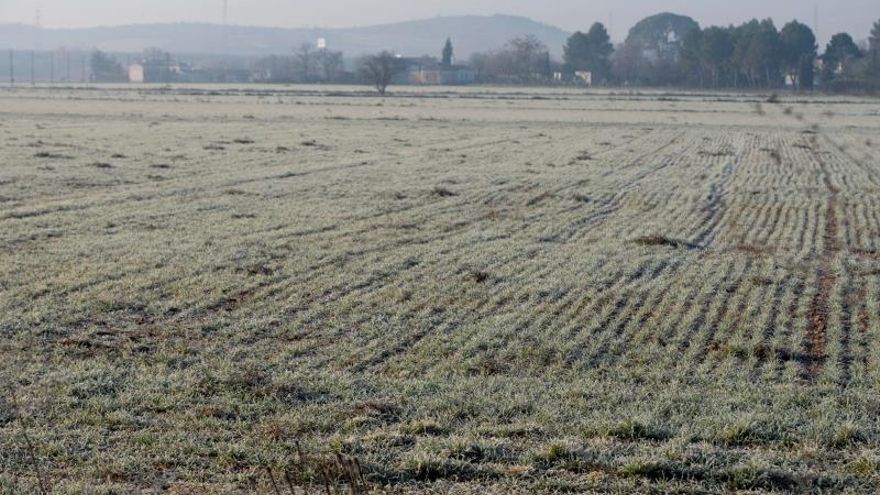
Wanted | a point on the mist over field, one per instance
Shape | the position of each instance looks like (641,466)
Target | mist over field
(570,15)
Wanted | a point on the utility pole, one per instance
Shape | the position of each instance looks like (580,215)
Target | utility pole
(83,68)
(33,69)
(52,68)
(67,64)
(11,68)
(38,32)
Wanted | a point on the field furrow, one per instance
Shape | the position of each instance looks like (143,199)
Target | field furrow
(541,291)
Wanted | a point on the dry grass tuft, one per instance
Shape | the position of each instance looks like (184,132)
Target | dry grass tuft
(657,240)
(443,192)
(335,474)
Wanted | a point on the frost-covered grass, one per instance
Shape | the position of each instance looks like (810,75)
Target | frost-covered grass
(469,291)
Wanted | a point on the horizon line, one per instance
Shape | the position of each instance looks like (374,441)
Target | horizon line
(231,24)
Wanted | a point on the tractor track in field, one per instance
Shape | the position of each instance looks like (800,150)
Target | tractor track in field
(826,279)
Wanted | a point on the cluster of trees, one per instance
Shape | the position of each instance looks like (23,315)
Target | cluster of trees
(668,49)
(754,54)
(757,55)
(522,60)
(847,66)
(157,63)
(105,68)
(673,50)
(306,65)
(590,52)
(651,54)
(665,49)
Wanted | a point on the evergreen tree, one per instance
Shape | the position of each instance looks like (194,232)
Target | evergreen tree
(717,52)
(758,53)
(448,53)
(840,56)
(590,51)
(798,53)
(690,62)
(874,53)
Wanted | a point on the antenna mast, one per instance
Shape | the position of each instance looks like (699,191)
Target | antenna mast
(38,23)
(224,28)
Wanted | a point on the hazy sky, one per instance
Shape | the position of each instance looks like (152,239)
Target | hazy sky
(855,16)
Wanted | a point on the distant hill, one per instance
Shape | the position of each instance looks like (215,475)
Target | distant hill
(413,38)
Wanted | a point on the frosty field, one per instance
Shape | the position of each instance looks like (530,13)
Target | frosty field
(469,291)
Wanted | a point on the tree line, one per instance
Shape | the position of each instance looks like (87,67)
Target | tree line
(307,64)
(673,50)
(661,50)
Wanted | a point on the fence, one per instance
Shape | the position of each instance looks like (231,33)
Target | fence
(29,67)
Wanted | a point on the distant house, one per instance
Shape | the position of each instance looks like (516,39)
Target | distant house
(580,77)
(157,68)
(429,71)
(584,77)
(136,73)
(442,75)
(182,73)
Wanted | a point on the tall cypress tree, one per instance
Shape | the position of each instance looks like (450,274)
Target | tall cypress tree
(448,53)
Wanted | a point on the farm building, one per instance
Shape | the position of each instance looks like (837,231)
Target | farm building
(442,75)
(136,73)
(583,77)
(429,71)
(580,77)
(155,72)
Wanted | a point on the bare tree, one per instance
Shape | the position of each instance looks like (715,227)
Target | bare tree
(330,65)
(304,60)
(380,69)
(522,60)
(275,69)
(530,57)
